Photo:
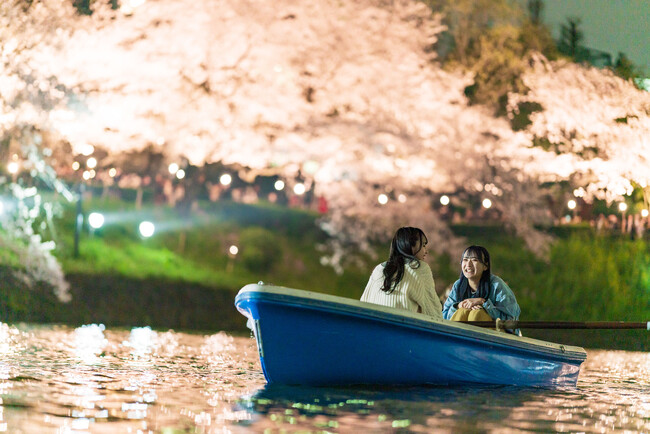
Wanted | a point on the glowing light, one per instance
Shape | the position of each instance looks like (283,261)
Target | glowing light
(644,213)
(87,150)
(382,199)
(622,207)
(233,250)
(146,229)
(571,204)
(12,167)
(173,168)
(225,179)
(579,192)
(92,173)
(444,199)
(91,163)
(279,185)
(86,175)
(299,188)
(487,203)
(76,165)
(96,220)
(401,198)
(180,174)
(112,172)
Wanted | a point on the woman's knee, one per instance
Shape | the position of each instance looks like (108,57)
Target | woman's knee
(461,314)
(478,315)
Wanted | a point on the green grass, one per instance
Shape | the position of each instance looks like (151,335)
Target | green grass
(276,244)
(587,277)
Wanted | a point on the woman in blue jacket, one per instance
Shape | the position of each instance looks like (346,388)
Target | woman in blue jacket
(479,295)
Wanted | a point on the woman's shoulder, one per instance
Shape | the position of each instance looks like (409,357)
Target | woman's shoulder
(379,269)
(419,268)
(496,280)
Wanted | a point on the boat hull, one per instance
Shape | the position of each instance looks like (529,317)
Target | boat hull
(315,339)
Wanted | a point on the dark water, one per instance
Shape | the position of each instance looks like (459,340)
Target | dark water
(91,380)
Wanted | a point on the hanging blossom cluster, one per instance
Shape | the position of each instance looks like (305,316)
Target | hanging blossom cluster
(24,219)
(347,96)
(27,95)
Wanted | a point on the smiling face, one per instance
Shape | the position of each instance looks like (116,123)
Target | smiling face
(473,266)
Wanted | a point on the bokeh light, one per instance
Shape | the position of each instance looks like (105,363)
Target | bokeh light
(180,174)
(644,213)
(233,250)
(622,207)
(487,203)
(279,185)
(299,188)
(571,204)
(225,179)
(147,229)
(173,168)
(12,167)
(382,199)
(444,199)
(87,150)
(96,220)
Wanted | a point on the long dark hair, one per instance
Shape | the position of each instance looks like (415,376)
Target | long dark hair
(464,290)
(401,252)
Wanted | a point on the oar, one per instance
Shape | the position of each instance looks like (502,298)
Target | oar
(602,325)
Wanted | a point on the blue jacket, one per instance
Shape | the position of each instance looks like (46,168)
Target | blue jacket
(501,302)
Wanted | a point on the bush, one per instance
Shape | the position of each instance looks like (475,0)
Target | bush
(260,249)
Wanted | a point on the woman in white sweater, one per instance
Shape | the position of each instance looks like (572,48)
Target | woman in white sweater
(405,280)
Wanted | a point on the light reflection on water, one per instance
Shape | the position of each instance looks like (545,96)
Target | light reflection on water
(89,379)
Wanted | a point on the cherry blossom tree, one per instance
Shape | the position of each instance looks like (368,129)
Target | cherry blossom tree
(595,125)
(348,95)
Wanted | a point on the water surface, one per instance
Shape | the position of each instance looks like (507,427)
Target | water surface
(92,380)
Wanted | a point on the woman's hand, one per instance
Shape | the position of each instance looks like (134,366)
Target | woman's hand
(472,303)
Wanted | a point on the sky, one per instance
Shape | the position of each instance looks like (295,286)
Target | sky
(608,25)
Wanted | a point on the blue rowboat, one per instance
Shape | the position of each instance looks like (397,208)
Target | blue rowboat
(316,339)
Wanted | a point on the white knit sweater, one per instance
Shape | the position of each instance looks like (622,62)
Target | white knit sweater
(416,289)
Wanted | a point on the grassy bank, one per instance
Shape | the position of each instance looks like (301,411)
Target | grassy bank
(184,278)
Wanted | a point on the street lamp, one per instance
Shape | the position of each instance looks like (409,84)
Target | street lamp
(299,188)
(147,229)
(96,220)
(225,179)
(622,207)
(233,250)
